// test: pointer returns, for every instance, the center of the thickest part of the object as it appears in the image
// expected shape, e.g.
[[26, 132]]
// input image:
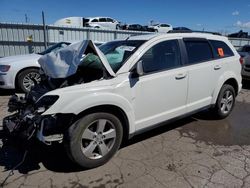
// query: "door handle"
[[217, 67], [180, 76]]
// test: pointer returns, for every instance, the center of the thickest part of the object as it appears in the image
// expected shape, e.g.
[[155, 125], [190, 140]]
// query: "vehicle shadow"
[[54, 158]]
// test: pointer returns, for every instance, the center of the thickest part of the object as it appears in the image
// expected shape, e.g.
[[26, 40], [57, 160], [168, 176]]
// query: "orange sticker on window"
[[221, 52]]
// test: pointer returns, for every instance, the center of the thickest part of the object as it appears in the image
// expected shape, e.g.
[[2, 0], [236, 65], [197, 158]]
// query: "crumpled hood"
[[64, 62], [19, 58]]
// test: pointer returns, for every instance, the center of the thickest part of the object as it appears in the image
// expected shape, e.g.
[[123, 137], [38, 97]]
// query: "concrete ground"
[[194, 152]]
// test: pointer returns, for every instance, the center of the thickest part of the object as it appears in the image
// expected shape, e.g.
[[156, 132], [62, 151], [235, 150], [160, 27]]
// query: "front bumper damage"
[[27, 122]]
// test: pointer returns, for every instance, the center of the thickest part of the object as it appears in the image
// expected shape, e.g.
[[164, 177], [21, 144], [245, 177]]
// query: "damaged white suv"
[[92, 98]]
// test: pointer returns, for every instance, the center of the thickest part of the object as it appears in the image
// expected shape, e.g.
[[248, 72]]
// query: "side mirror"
[[139, 68]]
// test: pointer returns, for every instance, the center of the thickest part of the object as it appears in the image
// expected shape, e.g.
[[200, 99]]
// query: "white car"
[[101, 22], [161, 28], [126, 87], [22, 71]]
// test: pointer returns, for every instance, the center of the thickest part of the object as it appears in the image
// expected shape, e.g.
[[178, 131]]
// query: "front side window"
[[162, 56], [198, 51], [94, 20]]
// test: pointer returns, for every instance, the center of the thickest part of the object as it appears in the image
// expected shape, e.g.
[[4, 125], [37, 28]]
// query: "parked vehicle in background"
[[245, 67], [244, 50], [22, 71], [181, 29], [136, 27], [239, 34], [95, 22], [101, 22], [70, 22], [161, 28], [106, 97]]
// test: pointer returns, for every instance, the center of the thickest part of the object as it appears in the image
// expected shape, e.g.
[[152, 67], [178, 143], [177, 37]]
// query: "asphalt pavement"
[[197, 151]]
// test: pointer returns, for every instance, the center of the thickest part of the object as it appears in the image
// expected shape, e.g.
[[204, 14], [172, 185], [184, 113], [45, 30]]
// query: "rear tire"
[[93, 140], [27, 79], [225, 102]]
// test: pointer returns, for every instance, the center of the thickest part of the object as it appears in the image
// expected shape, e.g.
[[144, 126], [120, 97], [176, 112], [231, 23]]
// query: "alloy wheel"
[[98, 139]]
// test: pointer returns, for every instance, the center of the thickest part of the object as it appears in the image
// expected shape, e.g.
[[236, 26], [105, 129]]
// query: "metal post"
[[44, 31], [88, 34]]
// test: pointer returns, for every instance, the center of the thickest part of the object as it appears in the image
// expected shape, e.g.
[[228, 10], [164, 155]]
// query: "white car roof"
[[91, 18], [177, 35]]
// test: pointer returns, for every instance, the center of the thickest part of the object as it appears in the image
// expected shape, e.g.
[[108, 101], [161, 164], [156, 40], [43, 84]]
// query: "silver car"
[[244, 52], [246, 67]]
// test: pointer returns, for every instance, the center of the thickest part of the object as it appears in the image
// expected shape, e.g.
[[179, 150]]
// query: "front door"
[[160, 94]]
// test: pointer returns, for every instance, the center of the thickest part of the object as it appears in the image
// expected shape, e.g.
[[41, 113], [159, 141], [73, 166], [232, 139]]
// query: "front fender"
[[77, 105]]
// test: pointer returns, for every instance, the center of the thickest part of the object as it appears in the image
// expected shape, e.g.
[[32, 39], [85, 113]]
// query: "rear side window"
[[198, 51], [221, 49], [165, 25], [102, 20], [110, 20]]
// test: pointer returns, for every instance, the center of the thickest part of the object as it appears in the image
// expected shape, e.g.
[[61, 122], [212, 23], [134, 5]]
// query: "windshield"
[[116, 52], [54, 47]]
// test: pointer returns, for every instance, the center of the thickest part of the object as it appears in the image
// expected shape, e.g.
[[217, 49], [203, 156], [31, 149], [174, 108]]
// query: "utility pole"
[[44, 31], [26, 18]]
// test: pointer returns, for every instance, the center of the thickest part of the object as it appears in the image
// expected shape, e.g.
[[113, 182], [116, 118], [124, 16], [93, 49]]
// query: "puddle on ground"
[[234, 130]]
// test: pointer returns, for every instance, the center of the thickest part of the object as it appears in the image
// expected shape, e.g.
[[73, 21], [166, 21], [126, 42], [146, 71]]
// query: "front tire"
[[27, 79], [93, 140], [225, 102]]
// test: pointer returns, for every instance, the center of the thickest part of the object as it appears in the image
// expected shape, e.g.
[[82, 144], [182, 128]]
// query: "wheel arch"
[[112, 109], [20, 71], [229, 80], [233, 83]]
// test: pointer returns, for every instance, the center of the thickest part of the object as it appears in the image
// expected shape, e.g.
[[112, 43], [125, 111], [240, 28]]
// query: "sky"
[[224, 16]]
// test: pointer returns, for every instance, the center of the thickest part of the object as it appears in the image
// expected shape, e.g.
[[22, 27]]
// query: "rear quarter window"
[[221, 49]]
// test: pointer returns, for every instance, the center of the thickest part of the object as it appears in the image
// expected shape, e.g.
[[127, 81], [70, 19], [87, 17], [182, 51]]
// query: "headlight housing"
[[45, 102], [4, 68]]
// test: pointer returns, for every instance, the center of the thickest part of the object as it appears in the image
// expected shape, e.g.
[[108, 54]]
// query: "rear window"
[[198, 51], [221, 49]]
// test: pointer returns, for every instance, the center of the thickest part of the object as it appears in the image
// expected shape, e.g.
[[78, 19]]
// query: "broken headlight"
[[45, 102]]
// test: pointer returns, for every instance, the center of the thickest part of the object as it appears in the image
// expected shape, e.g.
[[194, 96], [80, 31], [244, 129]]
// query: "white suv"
[[126, 87], [161, 28], [101, 22]]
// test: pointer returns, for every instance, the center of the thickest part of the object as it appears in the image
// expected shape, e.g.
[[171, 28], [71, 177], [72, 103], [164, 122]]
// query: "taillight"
[[241, 60]]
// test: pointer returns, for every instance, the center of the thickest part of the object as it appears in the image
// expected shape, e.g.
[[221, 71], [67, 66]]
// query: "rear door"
[[200, 66], [103, 22]]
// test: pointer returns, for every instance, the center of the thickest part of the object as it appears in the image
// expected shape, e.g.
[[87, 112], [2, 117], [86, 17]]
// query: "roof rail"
[[190, 31]]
